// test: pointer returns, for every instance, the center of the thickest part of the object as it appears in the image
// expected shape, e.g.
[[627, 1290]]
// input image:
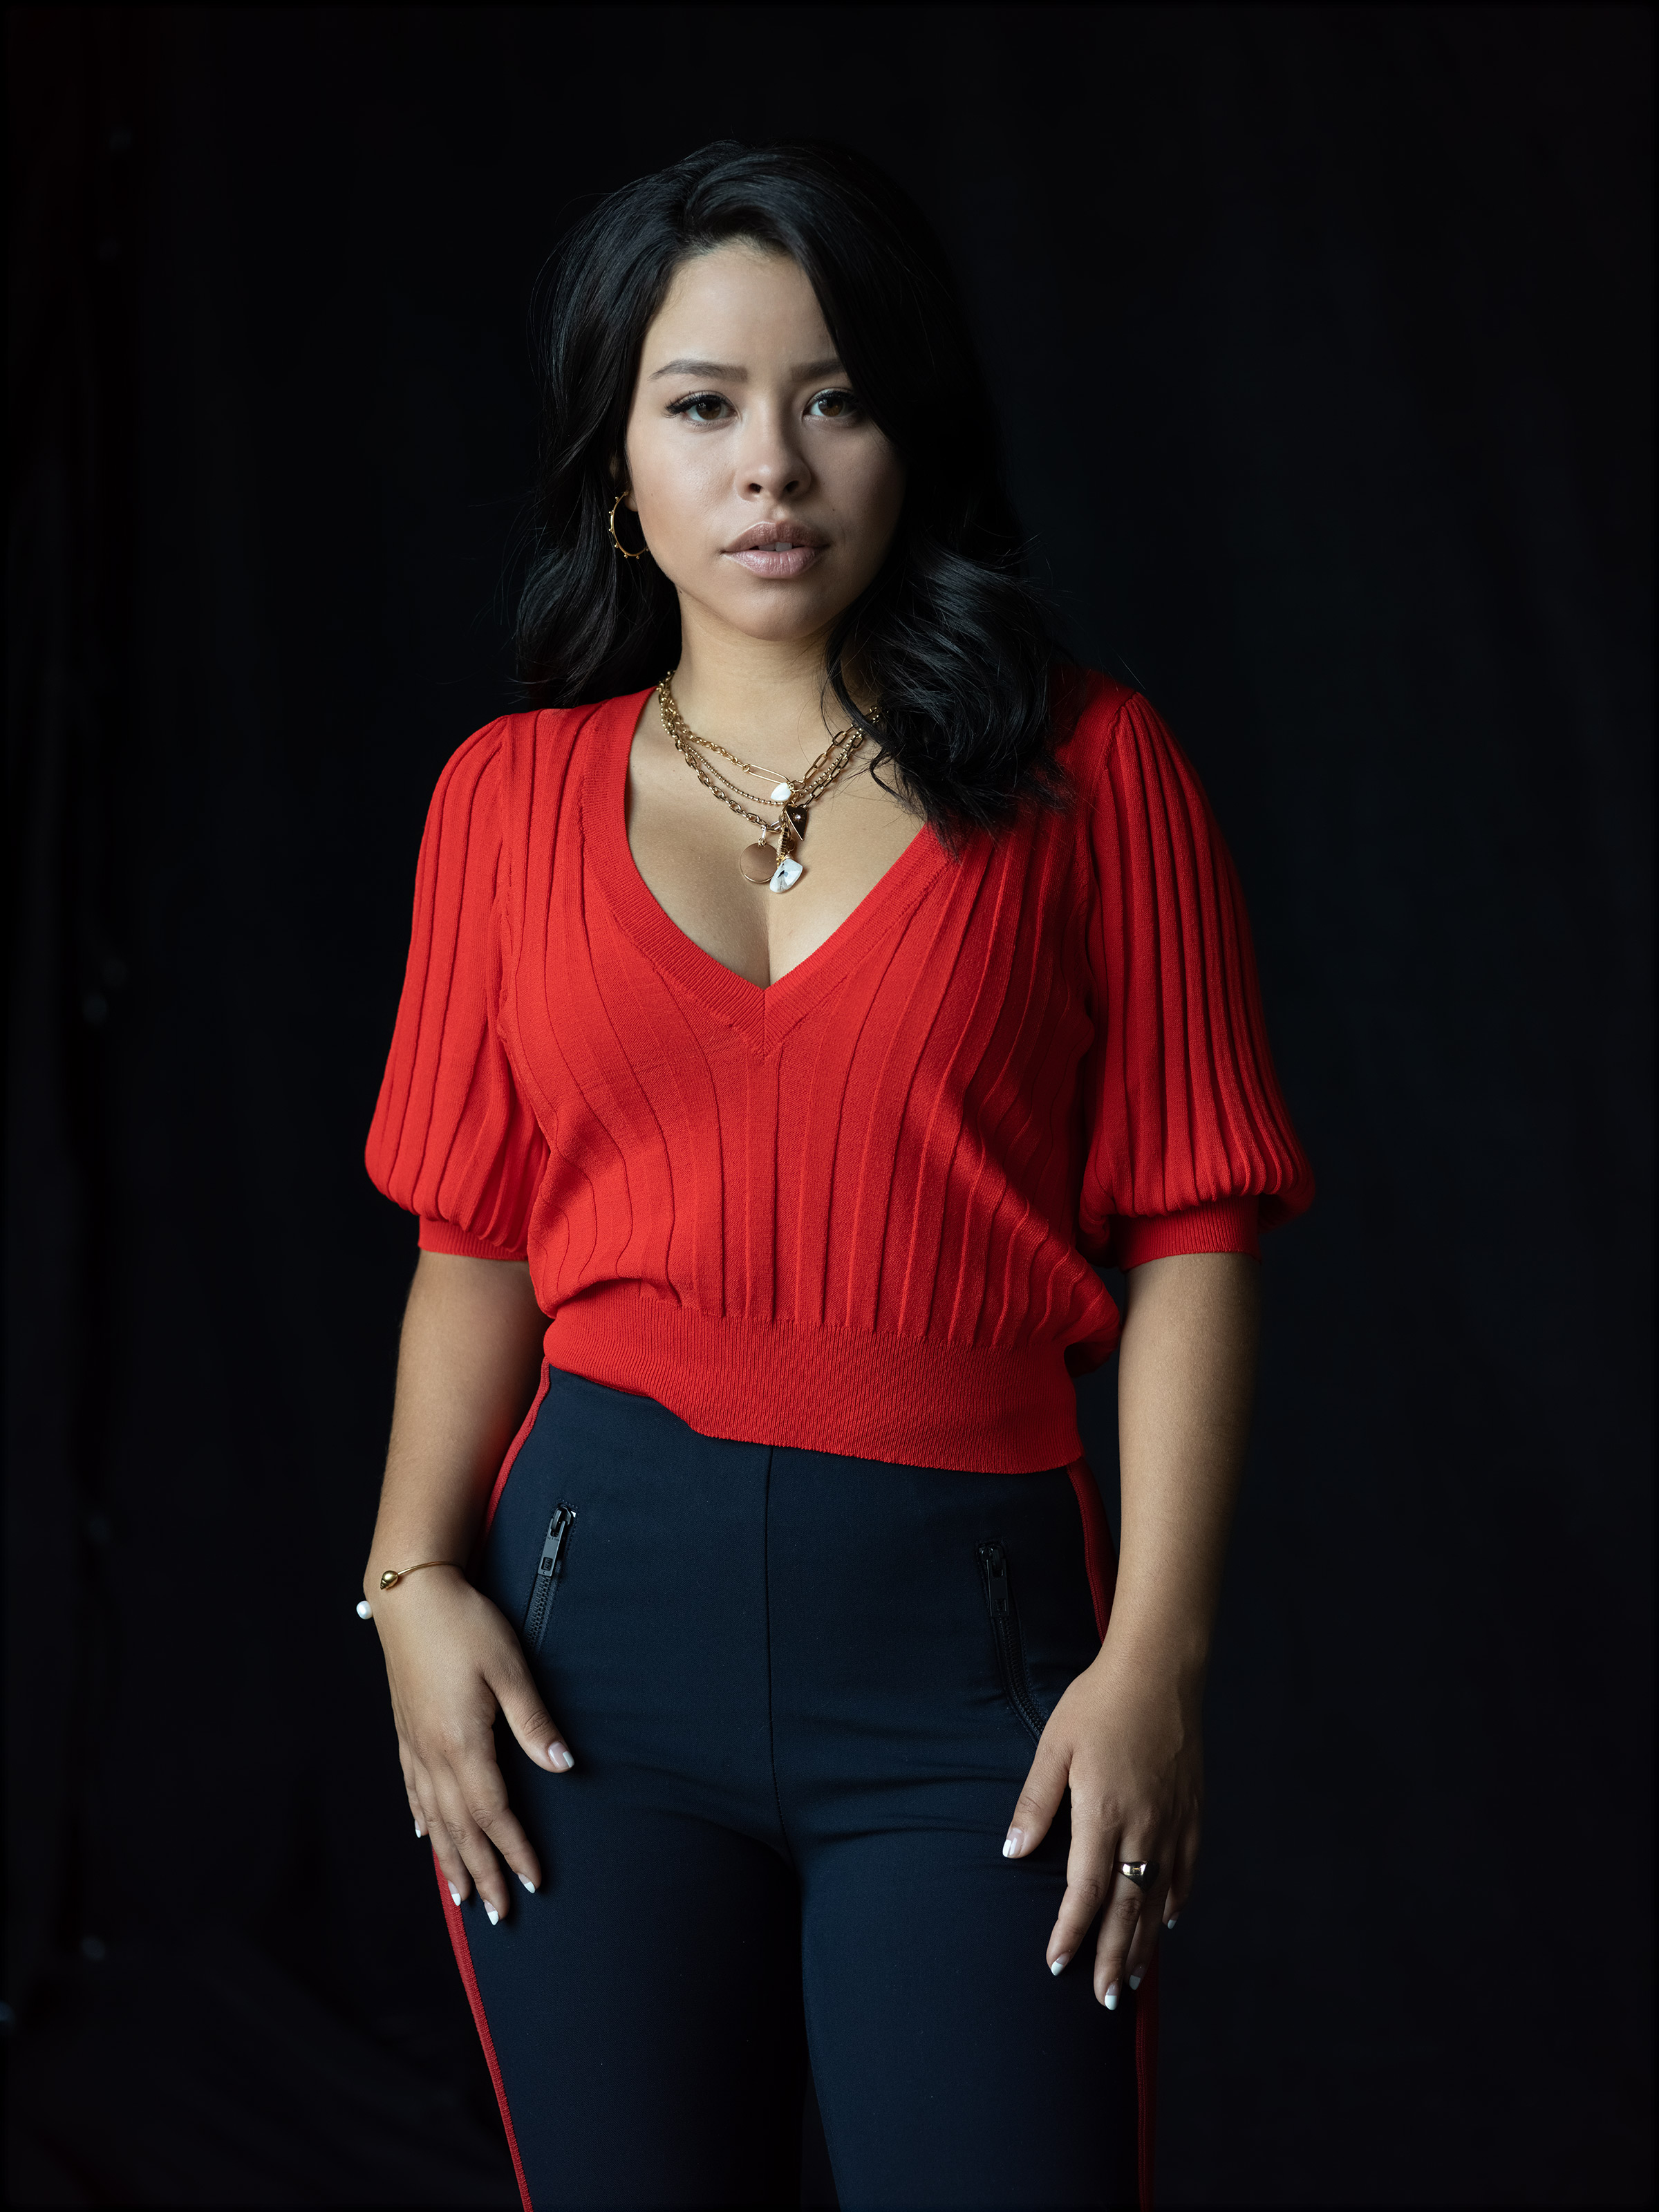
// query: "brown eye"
[[700, 407], [833, 407]]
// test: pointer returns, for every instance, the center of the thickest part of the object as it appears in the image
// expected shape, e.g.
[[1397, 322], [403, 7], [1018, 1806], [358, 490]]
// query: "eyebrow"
[[727, 373]]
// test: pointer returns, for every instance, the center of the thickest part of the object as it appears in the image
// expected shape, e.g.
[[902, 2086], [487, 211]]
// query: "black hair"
[[950, 636]]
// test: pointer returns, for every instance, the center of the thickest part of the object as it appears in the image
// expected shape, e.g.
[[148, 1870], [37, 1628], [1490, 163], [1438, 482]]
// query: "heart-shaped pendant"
[[786, 875]]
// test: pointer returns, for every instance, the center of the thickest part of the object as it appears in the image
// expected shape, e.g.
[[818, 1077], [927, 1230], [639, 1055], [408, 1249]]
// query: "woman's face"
[[766, 495]]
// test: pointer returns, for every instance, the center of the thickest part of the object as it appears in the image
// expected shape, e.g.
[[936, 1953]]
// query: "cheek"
[[872, 489], [677, 486]]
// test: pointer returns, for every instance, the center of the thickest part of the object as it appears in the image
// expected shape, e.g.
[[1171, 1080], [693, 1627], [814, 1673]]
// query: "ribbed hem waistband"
[[900, 1399]]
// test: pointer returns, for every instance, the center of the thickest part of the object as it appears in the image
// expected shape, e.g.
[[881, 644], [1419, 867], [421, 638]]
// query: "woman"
[[786, 1041]]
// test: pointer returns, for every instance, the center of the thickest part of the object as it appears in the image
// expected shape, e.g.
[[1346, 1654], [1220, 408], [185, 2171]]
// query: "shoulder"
[[1113, 727], [473, 771], [501, 767], [1119, 745]]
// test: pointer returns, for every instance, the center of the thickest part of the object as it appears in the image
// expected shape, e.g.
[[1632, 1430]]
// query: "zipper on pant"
[[1004, 1626], [547, 1574]]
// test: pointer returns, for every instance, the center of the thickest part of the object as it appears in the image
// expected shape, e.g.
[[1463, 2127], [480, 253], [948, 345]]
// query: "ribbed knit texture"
[[855, 1211]]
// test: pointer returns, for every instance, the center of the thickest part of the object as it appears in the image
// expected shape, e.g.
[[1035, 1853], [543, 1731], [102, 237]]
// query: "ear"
[[619, 483]]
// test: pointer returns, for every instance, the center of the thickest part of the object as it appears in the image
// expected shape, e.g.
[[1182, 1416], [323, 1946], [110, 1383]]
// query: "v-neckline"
[[764, 1011]]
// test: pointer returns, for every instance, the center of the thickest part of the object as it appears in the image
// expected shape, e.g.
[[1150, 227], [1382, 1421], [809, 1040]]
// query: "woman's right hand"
[[453, 1663]]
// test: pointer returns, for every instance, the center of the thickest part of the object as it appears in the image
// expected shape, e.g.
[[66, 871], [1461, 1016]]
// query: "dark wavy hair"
[[950, 636]]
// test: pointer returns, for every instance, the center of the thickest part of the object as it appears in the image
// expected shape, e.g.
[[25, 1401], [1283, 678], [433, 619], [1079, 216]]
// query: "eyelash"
[[715, 399]]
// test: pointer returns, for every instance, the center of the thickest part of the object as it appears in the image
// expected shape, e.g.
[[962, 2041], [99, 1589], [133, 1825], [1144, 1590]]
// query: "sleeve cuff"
[[443, 1237], [1227, 1224]]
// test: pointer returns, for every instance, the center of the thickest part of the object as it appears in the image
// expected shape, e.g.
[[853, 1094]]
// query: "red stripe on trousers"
[[457, 1926], [453, 1919], [1101, 1561]]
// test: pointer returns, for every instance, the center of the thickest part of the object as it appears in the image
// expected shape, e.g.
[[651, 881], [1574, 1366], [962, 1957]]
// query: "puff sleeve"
[[1189, 1145], [452, 1140]]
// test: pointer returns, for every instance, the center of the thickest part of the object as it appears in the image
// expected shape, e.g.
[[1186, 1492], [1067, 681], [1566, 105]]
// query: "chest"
[[645, 981], [685, 843]]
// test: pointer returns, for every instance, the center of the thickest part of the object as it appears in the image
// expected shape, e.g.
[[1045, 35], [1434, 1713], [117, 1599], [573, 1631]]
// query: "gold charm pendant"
[[758, 864]]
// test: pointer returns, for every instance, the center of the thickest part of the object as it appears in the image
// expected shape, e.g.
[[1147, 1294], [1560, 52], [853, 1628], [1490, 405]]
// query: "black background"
[[1322, 341]]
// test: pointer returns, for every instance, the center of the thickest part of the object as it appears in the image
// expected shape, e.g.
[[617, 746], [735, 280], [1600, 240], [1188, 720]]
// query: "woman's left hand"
[[1126, 1740]]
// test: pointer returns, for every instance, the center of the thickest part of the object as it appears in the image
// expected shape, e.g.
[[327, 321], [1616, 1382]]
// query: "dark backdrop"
[[1323, 341]]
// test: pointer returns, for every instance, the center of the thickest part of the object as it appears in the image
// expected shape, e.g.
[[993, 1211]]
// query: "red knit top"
[[857, 1210]]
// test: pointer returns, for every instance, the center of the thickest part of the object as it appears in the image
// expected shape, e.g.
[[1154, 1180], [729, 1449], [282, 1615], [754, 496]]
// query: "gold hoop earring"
[[615, 540]]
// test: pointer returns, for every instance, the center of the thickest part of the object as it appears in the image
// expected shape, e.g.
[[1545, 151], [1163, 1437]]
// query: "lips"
[[778, 549]]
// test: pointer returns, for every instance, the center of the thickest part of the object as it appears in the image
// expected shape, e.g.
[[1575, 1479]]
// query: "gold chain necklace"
[[757, 864]]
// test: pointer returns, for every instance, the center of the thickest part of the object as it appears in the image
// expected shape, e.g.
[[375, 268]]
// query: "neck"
[[766, 698]]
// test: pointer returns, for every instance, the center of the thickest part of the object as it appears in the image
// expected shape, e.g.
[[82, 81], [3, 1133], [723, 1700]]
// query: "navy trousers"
[[802, 1691]]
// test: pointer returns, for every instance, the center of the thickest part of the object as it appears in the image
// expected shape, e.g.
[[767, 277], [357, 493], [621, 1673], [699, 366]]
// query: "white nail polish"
[[528, 1884], [1135, 1981], [1170, 1921], [1012, 1843], [491, 1915], [419, 1830], [1111, 1998], [563, 1761], [1059, 1964], [454, 1892]]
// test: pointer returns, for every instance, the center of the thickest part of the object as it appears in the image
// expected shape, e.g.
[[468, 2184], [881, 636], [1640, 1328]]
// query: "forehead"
[[747, 291]]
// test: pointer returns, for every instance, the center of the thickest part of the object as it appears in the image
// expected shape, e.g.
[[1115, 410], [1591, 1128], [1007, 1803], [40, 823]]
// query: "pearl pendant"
[[786, 875], [783, 793]]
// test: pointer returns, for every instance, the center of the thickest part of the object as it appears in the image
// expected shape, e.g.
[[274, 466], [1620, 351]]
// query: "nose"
[[772, 465]]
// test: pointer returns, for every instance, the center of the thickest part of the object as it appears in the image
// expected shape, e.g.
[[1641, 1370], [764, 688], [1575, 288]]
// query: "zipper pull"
[[553, 1544], [996, 1578]]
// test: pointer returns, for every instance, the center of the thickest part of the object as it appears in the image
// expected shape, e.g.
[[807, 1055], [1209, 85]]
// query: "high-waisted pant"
[[802, 1692]]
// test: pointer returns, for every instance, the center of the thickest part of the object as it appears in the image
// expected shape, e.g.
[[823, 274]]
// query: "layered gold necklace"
[[793, 796]]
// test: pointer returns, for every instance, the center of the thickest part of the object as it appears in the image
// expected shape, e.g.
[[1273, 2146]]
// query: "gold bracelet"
[[393, 1576]]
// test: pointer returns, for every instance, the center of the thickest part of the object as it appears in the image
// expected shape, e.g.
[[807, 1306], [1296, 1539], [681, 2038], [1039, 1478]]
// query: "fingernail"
[[1111, 1998], [419, 1830], [1060, 1964], [1012, 1843], [490, 1914], [528, 1884], [454, 1892], [1135, 1981], [559, 1757], [1170, 1921]]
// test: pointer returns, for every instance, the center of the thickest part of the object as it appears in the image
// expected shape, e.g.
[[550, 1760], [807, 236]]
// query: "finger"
[[483, 1788], [539, 1735], [469, 1843], [1144, 1943], [481, 1823], [451, 1865], [1156, 1910], [504, 1832], [417, 1811], [1181, 1876], [1038, 1802], [1088, 1885], [1117, 1931]]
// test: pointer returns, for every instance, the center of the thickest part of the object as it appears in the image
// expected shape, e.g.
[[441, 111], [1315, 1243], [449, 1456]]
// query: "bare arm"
[[467, 1367], [1127, 1735]]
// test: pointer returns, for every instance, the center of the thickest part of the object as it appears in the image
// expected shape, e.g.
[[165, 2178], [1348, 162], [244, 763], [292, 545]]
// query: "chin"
[[779, 615]]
